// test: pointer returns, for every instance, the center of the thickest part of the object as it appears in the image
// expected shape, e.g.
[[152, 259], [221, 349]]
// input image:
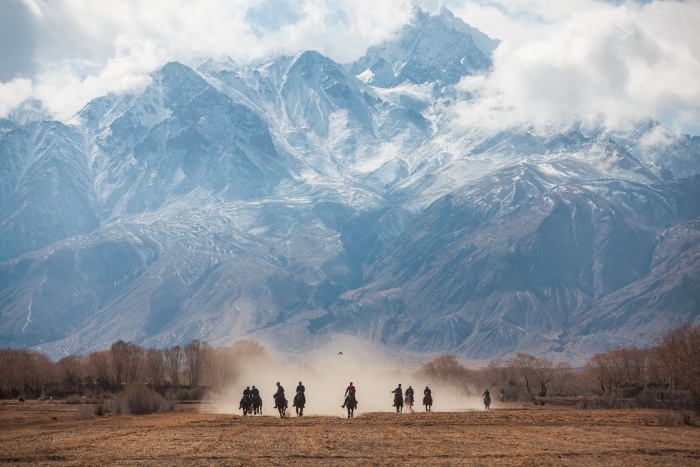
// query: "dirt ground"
[[50, 433]]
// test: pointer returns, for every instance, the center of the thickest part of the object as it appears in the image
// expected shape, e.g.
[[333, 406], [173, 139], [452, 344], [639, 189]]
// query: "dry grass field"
[[51, 433]]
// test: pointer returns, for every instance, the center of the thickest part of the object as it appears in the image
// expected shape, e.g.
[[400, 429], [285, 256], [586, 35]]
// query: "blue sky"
[[620, 59]]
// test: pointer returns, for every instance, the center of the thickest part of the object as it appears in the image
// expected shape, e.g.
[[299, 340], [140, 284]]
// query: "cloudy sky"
[[599, 61]]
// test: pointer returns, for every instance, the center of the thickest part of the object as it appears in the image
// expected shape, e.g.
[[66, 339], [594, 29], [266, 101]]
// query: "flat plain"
[[51, 433]]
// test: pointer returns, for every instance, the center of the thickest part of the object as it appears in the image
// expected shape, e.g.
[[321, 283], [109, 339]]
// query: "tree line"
[[668, 371], [670, 366], [29, 373]]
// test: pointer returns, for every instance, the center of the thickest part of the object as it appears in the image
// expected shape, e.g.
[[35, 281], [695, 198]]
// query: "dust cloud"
[[326, 373]]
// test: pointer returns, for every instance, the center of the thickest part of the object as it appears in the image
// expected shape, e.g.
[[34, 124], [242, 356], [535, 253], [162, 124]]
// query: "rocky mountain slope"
[[303, 199]]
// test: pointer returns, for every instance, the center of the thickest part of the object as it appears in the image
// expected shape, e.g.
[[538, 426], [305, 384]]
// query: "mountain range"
[[300, 200]]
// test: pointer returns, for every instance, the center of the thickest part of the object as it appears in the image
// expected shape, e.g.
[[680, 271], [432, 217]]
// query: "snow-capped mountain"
[[432, 49], [303, 198]]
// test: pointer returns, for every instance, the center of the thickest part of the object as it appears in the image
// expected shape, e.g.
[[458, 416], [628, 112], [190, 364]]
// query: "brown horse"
[[351, 405], [246, 405], [281, 406], [398, 402], [257, 405], [428, 402], [299, 403]]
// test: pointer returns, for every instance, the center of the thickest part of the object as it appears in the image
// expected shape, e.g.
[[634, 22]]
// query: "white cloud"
[[83, 48], [14, 92], [559, 60], [609, 65]]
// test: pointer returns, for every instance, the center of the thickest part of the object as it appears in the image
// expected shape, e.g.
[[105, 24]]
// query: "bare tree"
[[445, 369], [598, 366], [24, 371], [563, 378], [155, 367], [524, 364], [679, 352], [543, 372], [127, 359], [72, 370], [195, 355], [173, 357], [100, 363]]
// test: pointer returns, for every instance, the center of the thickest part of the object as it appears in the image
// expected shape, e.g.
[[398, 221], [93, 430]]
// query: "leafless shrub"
[[139, 399], [668, 399], [85, 412], [73, 399], [101, 409], [606, 402], [186, 394], [672, 418]]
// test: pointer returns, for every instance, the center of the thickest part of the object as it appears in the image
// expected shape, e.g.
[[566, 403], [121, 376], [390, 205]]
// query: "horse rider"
[[300, 392], [349, 393], [246, 392], [255, 392], [398, 395], [486, 395], [409, 394], [279, 395]]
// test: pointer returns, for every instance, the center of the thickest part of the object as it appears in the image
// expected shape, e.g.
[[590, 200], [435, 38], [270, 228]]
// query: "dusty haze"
[[326, 374]]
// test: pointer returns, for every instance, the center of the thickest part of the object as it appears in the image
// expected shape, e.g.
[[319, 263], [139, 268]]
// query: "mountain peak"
[[29, 110], [440, 49]]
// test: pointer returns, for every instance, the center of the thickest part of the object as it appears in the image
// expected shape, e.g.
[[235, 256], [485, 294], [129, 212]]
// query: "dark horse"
[[246, 405], [281, 405], [398, 402], [487, 402], [351, 405], [299, 403], [428, 402], [257, 405]]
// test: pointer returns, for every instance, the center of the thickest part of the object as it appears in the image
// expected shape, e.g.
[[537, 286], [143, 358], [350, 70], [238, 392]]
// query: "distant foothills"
[[304, 199]]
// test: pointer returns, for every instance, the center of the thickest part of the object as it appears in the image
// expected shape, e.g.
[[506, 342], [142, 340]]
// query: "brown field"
[[50, 433]]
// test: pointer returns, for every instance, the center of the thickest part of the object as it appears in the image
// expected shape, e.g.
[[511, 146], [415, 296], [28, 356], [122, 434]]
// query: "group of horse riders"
[[400, 397], [251, 398], [251, 402]]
